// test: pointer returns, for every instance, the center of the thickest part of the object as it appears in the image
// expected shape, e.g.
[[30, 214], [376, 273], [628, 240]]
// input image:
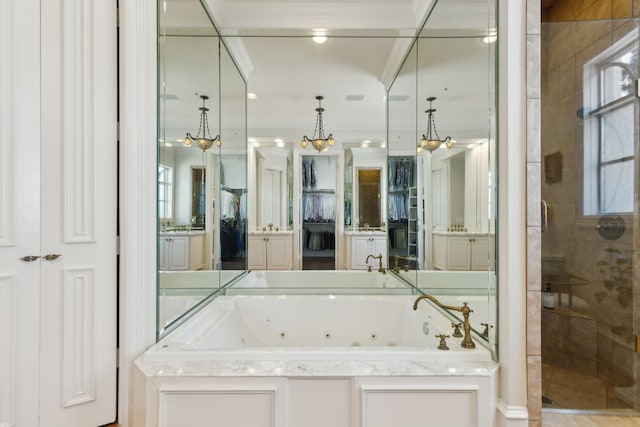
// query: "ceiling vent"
[[355, 98]]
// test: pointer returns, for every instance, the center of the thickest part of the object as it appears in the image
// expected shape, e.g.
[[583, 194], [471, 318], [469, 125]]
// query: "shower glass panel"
[[590, 241]]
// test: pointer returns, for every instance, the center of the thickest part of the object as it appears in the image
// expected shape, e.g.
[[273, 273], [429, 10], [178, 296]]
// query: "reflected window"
[[165, 192], [610, 129]]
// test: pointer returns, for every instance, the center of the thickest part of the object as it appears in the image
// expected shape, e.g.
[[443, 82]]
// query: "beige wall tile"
[[562, 11], [621, 9], [533, 130], [534, 257], [533, 66], [534, 307], [533, 16], [599, 10], [584, 6], [533, 195], [534, 387]]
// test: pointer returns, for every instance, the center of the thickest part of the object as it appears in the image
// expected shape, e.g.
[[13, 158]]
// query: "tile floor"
[[564, 420], [574, 390], [569, 389]]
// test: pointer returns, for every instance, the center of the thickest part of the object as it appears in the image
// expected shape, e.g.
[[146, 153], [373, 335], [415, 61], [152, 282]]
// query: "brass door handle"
[[29, 258], [51, 257]]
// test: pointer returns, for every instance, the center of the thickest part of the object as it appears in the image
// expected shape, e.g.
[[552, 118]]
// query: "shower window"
[[610, 120], [165, 192]]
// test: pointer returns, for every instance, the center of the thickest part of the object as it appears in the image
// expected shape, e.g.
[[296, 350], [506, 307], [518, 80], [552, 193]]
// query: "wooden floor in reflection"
[[318, 263]]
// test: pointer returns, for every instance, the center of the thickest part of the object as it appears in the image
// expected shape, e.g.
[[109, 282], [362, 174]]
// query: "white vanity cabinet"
[[361, 244], [182, 250], [462, 251], [270, 250]]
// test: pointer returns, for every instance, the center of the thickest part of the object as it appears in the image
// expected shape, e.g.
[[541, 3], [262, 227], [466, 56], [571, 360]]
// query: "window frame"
[[593, 117], [167, 184]]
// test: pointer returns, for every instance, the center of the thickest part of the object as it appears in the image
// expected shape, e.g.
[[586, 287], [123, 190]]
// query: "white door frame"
[[138, 200]]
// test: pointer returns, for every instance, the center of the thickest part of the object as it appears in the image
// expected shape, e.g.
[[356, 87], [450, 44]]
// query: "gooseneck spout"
[[379, 258], [467, 342]]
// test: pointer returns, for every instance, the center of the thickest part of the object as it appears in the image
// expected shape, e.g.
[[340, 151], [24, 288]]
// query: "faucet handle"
[[456, 331], [485, 333], [443, 342]]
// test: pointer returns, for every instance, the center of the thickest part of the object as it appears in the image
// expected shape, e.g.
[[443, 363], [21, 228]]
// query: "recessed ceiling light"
[[252, 96], [279, 144], [366, 141], [319, 39], [489, 39], [319, 35]]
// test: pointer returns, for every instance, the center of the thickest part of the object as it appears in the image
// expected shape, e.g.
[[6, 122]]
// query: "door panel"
[[19, 211], [78, 215]]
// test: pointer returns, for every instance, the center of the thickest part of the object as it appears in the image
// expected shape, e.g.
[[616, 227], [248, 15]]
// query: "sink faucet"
[[467, 342], [396, 267], [380, 268]]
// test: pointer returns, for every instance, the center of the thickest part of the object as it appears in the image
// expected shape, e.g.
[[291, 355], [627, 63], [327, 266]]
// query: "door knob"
[[51, 257], [29, 258]]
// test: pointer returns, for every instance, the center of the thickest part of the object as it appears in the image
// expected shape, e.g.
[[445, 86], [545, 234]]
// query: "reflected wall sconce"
[[431, 141], [203, 141], [320, 143]]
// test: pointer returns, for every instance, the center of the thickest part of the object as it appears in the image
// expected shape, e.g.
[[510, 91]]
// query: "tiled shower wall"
[[549, 11]]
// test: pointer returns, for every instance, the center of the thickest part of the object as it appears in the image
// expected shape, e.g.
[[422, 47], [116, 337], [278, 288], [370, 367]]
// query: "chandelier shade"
[[431, 140], [205, 141], [319, 142]]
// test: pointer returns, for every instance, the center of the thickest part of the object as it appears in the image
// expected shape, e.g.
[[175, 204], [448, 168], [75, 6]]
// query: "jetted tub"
[[338, 360], [329, 327]]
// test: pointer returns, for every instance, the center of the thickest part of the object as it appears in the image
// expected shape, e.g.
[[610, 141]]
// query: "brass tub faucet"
[[379, 258], [467, 342], [396, 267]]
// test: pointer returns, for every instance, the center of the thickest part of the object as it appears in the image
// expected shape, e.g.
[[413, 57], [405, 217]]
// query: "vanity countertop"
[[371, 231], [260, 232], [182, 233], [461, 233]]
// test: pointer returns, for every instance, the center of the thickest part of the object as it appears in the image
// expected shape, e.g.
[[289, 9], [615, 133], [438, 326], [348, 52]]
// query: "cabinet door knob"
[[29, 258], [51, 257]]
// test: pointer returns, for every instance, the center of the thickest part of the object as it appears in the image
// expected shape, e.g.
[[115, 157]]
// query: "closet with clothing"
[[401, 206], [318, 212]]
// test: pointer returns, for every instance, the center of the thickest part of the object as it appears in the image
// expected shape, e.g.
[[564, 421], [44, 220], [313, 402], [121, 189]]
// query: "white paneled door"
[[58, 205]]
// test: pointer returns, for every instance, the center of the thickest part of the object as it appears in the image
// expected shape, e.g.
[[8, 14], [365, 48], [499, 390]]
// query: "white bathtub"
[[324, 281], [283, 360], [301, 327]]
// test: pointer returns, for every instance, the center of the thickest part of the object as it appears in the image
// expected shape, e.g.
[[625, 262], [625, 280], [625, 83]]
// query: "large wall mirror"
[[442, 169], [201, 161], [372, 199]]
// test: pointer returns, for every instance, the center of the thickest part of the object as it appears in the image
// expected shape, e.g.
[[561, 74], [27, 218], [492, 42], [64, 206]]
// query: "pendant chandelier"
[[203, 141], [431, 141], [320, 143]]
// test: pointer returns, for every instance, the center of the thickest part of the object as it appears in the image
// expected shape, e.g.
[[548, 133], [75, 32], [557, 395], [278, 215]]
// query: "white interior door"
[[57, 197], [78, 214], [19, 211]]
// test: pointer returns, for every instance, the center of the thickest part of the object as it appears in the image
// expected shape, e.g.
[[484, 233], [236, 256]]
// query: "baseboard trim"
[[511, 416]]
